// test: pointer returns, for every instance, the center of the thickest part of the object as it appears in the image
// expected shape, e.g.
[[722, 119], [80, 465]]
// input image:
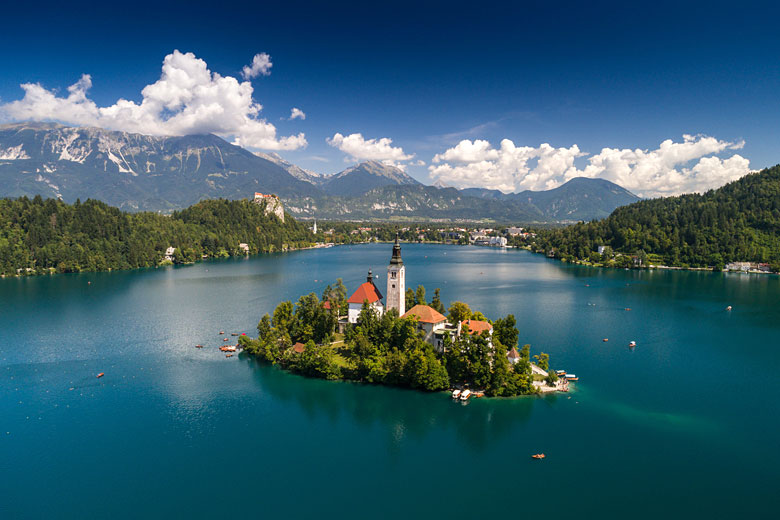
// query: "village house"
[[244, 247], [430, 322], [513, 355], [477, 327], [169, 254]]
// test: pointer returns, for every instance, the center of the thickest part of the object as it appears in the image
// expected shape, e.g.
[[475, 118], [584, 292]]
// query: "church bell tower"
[[396, 281]]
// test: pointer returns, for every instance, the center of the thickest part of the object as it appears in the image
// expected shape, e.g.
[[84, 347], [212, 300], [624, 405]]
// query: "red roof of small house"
[[366, 291], [326, 304], [477, 326], [299, 347], [513, 354], [425, 314]]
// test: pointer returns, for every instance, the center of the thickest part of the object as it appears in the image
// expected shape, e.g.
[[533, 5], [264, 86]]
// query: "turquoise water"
[[685, 425]]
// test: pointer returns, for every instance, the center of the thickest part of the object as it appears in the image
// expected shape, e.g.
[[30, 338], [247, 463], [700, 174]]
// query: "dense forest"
[[739, 222], [38, 235], [391, 350]]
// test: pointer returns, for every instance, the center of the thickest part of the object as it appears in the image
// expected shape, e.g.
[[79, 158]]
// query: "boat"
[[101, 375], [198, 346], [224, 339], [560, 373], [628, 308], [228, 355], [632, 343], [234, 333], [606, 339], [455, 393], [571, 377], [538, 456], [222, 332], [728, 308], [464, 395]]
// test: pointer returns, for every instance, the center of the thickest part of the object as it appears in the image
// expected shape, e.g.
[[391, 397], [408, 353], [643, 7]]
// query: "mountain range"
[[139, 172]]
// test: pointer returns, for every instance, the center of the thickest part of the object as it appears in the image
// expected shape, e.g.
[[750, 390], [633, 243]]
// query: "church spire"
[[396, 259]]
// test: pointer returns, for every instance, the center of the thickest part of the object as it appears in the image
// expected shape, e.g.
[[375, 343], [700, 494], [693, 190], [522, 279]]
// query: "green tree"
[[419, 295], [458, 312], [436, 302], [410, 298], [505, 331]]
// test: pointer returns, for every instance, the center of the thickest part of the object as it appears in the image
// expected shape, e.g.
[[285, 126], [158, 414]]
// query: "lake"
[[684, 425]]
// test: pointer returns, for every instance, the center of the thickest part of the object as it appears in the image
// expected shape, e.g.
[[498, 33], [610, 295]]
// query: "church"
[[368, 291], [432, 324]]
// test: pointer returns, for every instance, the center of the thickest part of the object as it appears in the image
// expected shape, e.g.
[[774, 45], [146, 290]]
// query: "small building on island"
[[429, 322], [367, 292]]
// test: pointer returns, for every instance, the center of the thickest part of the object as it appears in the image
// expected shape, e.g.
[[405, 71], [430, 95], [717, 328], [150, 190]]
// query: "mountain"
[[296, 171], [410, 202], [140, 172], [365, 177], [134, 171], [578, 199], [739, 222]]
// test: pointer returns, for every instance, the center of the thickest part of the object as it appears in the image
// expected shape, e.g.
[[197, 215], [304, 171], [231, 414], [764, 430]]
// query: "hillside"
[[580, 198], [577, 199], [38, 235], [133, 171], [738, 222], [137, 172]]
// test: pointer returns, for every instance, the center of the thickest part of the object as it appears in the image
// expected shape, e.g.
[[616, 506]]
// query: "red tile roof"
[[367, 291], [477, 326], [425, 314], [326, 304], [299, 347]]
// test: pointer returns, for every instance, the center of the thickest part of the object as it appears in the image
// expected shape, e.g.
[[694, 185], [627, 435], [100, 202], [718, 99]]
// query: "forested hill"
[[38, 235], [738, 222]]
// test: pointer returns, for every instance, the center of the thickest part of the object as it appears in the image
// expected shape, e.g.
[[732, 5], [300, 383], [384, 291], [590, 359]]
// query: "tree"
[[283, 316], [410, 298], [505, 331], [436, 302], [543, 361], [458, 312], [419, 295], [264, 327]]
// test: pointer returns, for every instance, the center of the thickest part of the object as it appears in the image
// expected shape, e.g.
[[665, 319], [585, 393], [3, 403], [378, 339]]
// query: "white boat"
[[572, 377], [455, 394], [632, 344], [464, 396]]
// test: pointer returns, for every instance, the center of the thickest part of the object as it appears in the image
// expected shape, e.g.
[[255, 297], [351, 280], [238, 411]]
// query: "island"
[[360, 339]]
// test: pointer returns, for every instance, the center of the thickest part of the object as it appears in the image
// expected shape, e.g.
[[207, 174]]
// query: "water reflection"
[[401, 413]]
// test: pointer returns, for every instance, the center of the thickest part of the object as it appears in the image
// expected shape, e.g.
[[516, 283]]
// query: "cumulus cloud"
[[359, 148], [671, 169], [261, 64], [187, 99], [297, 113]]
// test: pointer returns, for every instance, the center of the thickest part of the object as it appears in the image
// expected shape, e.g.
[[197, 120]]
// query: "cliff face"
[[272, 206]]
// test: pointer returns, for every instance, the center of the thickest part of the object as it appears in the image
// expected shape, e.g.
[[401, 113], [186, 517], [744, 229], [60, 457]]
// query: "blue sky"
[[592, 75]]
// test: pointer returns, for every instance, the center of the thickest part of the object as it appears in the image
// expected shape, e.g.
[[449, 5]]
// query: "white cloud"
[[671, 169], [297, 113], [187, 99], [261, 64], [360, 148]]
